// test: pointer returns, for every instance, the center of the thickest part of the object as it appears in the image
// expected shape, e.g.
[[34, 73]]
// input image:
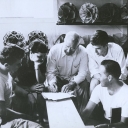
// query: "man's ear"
[[110, 78], [6, 65]]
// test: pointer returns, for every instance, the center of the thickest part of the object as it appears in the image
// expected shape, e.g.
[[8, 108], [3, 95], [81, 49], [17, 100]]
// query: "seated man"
[[30, 78], [100, 49], [112, 93], [10, 61], [67, 68]]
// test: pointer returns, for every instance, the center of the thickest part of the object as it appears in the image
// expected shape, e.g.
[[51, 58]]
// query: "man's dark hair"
[[10, 54], [99, 38], [38, 46], [112, 68]]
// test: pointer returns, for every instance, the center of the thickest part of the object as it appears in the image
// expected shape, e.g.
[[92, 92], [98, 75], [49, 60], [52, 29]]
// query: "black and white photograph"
[[63, 63]]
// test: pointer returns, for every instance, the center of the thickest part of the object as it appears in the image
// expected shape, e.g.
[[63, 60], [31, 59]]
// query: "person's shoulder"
[[125, 87], [90, 50], [89, 46], [56, 47], [114, 46], [98, 88], [98, 91], [82, 48], [124, 93]]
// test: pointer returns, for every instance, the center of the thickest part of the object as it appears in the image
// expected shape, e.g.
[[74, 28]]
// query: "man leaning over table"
[[67, 69]]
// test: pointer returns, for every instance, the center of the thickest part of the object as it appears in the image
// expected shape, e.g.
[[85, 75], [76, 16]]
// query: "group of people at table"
[[94, 74]]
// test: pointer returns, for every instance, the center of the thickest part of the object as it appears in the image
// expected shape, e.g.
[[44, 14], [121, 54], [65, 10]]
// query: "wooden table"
[[63, 114]]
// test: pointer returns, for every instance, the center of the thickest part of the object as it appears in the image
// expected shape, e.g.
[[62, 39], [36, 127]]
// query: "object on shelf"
[[124, 13], [37, 35], [109, 13], [67, 13], [14, 37], [96, 23], [88, 13]]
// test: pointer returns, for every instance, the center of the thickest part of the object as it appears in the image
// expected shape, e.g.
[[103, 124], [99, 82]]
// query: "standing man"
[[112, 93], [67, 69], [101, 49]]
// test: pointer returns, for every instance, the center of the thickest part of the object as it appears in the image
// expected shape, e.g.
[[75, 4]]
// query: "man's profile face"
[[103, 76], [70, 46], [100, 50]]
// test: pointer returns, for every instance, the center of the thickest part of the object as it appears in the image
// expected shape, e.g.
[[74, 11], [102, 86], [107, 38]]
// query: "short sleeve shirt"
[[119, 99]]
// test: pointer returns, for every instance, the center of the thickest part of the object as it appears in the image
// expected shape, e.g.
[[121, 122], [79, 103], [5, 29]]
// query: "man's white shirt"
[[119, 99]]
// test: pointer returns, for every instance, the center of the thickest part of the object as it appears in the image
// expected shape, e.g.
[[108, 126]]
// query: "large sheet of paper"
[[57, 96]]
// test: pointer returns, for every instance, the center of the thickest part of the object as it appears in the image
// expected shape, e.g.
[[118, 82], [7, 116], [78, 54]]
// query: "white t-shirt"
[[5, 89], [119, 99]]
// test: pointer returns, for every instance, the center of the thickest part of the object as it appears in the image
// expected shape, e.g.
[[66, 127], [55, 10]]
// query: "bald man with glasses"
[[67, 69]]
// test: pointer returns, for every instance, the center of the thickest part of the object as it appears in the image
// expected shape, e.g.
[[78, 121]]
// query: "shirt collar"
[[109, 51]]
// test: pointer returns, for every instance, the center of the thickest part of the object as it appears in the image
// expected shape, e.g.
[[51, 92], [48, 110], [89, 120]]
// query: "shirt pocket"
[[76, 66]]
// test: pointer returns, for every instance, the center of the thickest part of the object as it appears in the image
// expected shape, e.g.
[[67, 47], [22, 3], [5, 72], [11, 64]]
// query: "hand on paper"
[[38, 88], [68, 87]]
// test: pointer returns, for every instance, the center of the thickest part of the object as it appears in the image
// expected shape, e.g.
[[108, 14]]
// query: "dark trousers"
[[39, 110], [81, 92]]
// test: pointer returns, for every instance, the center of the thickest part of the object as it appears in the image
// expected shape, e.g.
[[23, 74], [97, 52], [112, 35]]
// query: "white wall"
[[48, 26]]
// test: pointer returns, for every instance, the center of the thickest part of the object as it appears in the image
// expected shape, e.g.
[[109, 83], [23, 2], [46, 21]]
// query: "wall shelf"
[[96, 23], [98, 3]]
